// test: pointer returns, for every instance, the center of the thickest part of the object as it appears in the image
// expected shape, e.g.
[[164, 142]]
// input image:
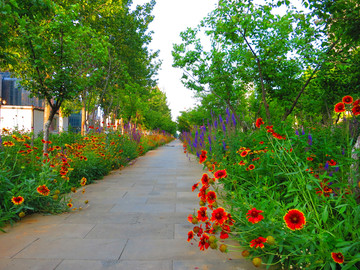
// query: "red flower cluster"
[[203, 156], [341, 106], [219, 221], [274, 134], [259, 122]]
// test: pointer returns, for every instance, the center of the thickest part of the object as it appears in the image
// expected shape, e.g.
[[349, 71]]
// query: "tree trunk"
[[263, 92], [47, 128]]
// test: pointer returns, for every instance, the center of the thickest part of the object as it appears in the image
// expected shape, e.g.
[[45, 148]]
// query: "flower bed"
[[31, 181], [291, 196]]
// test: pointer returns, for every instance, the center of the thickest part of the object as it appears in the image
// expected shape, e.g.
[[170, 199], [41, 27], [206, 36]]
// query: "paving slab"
[[136, 218], [33, 264], [115, 265], [86, 249]]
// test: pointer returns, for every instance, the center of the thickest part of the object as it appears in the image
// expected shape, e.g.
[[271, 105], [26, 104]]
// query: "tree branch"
[[288, 112]]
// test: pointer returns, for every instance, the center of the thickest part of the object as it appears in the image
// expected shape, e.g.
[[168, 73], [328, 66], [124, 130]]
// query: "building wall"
[[38, 121], [27, 119], [15, 118]]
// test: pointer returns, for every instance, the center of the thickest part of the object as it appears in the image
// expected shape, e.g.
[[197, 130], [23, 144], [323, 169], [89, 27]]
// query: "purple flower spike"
[[326, 167], [233, 119], [309, 139], [297, 132], [220, 118], [224, 127], [224, 145], [343, 152], [337, 169], [303, 132]]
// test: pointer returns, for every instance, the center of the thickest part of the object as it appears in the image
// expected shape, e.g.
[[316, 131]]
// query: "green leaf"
[[325, 214]]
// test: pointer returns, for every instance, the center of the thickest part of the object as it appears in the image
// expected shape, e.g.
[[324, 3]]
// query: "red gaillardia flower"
[[331, 162], [241, 163], [356, 110], [211, 197], [258, 242], [356, 102], [337, 257], [220, 174], [190, 235], [309, 158], [340, 107], [251, 167], [203, 156], [8, 143], [43, 190], [224, 235], [69, 205], [202, 193], [219, 215], [194, 186], [244, 153], [347, 99], [202, 215], [17, 200], [294, 219], [254, 216], [83, 181], [204, 242], [205, 180], [259, 122]]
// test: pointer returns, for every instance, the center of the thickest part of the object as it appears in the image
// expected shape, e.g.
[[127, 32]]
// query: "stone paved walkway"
[[136, 219]]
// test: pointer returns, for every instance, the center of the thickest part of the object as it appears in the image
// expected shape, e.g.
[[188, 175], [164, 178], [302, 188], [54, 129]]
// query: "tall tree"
[[48, 48]]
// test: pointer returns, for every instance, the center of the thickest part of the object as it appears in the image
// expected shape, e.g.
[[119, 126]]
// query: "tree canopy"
[[273, 59]]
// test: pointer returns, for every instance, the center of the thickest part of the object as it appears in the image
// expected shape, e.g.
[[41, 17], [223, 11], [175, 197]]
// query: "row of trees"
[[85, 54], [274, 60]]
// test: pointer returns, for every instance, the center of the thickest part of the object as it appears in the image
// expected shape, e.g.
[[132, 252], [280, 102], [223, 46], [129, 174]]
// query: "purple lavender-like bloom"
[[224, 127], [227, 119], [209, 139], [210, 149], [326, 167], [221, 120], [233, 119], [343, 151], [309, 139], [330, 174], [337, 169], [228, 112], [303, 131], [297, 132], [224, 145], [215, 124]]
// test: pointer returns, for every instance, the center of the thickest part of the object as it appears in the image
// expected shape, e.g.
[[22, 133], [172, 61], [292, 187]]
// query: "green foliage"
[[278, 168]]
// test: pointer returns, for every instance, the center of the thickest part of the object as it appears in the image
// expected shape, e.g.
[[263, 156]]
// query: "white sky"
[[172, 17]]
